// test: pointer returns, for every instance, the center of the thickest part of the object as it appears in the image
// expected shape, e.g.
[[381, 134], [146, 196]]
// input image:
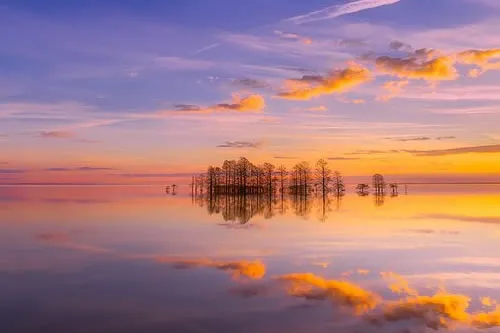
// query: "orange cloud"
[[438, 311], [393, 88], [480, 58], [251, 269], [399, 284], [250, 103], [441, 68], [310, 286], [311, 86]]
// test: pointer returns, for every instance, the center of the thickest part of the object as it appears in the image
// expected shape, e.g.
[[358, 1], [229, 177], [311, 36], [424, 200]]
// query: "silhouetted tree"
[[338, 184], [269, 175], [379, 183], [394, 189], [323, 176], [362, 189]]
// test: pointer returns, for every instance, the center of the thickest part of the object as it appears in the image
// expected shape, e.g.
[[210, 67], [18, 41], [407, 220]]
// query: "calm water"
[[134, 259]]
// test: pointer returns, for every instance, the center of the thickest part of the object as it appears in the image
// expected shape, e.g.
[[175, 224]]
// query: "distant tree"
[[306, 177], [378, 183], [338, 183], [394, 189], [269, 175], [282, 175], [362, 189], [323, 176]]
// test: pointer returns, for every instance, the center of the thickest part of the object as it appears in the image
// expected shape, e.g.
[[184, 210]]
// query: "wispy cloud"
[[421, 138], [82, 168], [57, 135], [178, 63], [251, 83], [465, 110], [340, 158], [240, 144], [286, 157], [339, 10], [317, 108], [464, 218], [154, 175], [250, 103], [11, 171], [293, 36], [488, 149]]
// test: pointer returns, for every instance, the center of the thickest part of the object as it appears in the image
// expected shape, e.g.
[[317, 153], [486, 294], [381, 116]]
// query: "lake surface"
[[135, 259]]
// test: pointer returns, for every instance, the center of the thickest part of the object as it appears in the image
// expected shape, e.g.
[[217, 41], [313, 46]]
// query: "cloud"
[[480, 58], [11, 171], [488, 149], [393, 88], [338, 81], [254, 270], [82, 168], [352, 43], [339, 10], [206, 48], [57, 135], [466, 110], [419, 138], [179, 64], [340, 158], [317, 108], [400, 46], [293, 36], [463, 218], [252, 83], [441, 68], [53, 237], [154, 175], [63, 240], [286, 157], [344, 293], [240, 144], [250, 103], [398, 284]]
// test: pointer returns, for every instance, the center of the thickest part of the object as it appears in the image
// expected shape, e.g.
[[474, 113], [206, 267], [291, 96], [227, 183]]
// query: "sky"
[[135, 92]]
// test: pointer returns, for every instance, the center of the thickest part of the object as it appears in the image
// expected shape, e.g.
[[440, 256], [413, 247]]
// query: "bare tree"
[[269, 175], [338, 184], [282, 174], [323, 176], [378, 183], [362, 189]]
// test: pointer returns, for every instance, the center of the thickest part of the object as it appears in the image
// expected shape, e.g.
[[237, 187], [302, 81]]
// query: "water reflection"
[[140, 260], [242, 208]]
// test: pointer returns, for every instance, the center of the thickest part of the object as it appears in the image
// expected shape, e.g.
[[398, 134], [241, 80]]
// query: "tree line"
[[242, 177]]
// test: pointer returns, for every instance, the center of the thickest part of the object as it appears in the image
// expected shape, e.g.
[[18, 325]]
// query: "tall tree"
[[269, 176], [338, 183], [282, 174], [378, 183], [323, 176]]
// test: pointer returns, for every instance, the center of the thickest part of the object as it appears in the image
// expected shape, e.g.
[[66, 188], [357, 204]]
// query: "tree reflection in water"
[[238, 210]]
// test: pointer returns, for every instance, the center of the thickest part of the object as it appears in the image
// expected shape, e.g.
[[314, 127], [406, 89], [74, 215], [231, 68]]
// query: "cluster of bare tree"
[[379, 187], [243, 177]]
